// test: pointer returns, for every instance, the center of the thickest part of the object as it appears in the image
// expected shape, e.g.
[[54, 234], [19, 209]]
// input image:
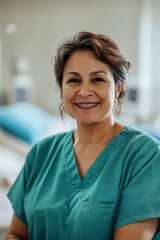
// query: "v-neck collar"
[[94, 170]]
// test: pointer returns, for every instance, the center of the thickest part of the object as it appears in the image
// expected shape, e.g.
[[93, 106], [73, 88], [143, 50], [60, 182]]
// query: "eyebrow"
[[97, 72], [91, 74], [72, 72]]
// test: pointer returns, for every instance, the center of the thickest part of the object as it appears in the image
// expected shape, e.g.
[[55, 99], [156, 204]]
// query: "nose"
[[85, 91]]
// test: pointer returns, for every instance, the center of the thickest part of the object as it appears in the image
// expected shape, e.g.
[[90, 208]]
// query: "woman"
[[101, 180]]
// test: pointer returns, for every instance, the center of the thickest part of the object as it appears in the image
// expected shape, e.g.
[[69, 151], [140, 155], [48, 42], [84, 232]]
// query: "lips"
[[86, 106]]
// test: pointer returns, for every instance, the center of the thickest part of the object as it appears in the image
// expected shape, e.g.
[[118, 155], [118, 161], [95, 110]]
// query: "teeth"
[[87, 104]]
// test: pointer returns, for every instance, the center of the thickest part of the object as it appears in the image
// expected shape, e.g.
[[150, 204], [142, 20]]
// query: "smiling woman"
[[100, 180], [104, 50]]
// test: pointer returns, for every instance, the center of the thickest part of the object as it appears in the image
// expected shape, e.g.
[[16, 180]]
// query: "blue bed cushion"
[[25, 120]]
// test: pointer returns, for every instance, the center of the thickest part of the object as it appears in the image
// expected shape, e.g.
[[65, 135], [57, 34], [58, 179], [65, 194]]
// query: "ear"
[[119, 87]]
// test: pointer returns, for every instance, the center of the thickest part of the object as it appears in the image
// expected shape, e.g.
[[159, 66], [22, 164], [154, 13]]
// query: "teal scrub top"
[[122, 186]]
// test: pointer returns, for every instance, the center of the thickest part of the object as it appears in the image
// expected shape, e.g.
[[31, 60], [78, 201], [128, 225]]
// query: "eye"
[[73, 81], [98, 80]]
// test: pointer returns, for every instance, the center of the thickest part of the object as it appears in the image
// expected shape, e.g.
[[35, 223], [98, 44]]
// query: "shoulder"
[[141, 150], [49, 144], [139, 145], [49, 151], [140, 139]]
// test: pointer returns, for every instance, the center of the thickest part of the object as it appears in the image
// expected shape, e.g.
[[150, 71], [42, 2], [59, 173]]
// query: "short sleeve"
[[18, 191], [140, 199]]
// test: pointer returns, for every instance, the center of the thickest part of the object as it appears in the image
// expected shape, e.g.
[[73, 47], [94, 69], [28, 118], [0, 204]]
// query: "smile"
[[86, 106]]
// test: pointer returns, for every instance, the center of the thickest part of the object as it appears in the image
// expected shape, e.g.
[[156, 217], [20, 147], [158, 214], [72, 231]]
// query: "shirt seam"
[[137, 219]]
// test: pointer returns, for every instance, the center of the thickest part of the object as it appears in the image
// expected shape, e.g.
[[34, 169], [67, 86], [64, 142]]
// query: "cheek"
[[112, 92], [66, 97], [64, 92], [112, 97], [108, 94], [109, 97]]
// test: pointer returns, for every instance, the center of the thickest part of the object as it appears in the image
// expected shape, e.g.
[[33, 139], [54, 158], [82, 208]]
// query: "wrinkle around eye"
[[73, 81], [100, 80]]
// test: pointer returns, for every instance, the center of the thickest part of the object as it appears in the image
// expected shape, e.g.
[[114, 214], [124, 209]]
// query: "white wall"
[[155, 60], [148, 61]]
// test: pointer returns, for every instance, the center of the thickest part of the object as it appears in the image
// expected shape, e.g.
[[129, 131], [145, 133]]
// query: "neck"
[[96, 133]]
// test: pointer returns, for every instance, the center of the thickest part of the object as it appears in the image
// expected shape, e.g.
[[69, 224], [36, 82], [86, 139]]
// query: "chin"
[[90, 119], [87, 122]]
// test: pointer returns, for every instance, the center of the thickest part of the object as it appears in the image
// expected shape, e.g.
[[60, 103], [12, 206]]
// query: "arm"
[[18, 230], [143, 230]]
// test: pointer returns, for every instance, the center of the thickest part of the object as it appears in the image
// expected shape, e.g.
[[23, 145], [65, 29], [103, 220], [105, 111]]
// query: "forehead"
[[84, 59]]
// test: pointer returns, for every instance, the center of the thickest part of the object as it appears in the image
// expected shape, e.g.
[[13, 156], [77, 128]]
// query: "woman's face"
[[88, 88]]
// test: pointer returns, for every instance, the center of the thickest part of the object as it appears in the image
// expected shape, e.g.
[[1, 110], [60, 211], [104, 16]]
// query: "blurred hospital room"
[[30, 32]]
